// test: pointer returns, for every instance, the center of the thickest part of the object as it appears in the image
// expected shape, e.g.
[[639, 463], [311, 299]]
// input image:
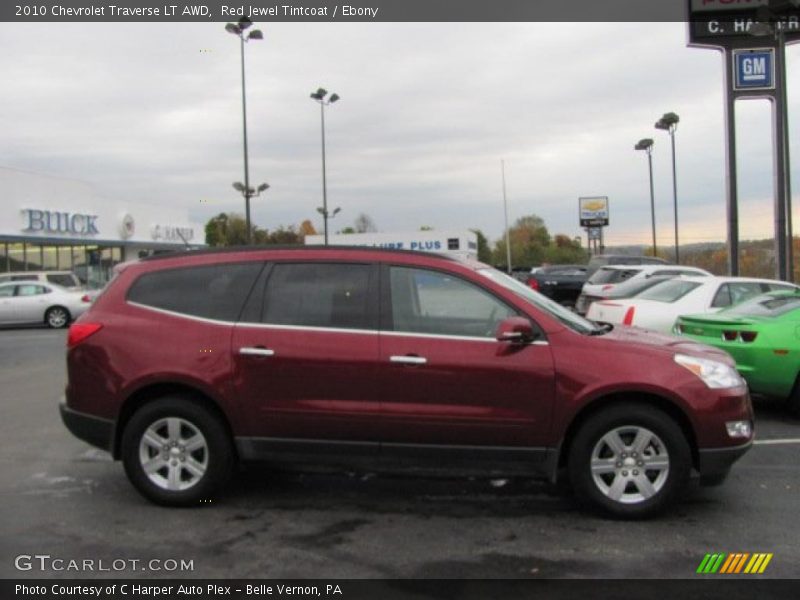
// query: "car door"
[[446, 384], [30, 302], [305, 352]]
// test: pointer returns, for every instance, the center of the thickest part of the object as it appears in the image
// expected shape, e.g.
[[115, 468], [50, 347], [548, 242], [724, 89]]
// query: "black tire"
[[793, 401], [636, 499], [187, 488], [57, 317]]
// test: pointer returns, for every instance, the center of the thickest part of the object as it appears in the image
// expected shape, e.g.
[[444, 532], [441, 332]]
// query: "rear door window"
[[329, 295], [213, 292]]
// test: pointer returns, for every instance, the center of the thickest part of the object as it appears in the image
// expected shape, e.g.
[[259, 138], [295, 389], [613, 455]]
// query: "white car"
[[658, 307], [605, 279], [23, 302]]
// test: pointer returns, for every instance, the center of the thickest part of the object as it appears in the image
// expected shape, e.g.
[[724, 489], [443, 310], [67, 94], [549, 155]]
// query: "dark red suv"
[[388, 360]]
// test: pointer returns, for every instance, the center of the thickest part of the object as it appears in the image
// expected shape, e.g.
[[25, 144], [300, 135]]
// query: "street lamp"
[[238, 29], [647, 145], [326, 216], [669, 123], [320, 97], [249, 192]]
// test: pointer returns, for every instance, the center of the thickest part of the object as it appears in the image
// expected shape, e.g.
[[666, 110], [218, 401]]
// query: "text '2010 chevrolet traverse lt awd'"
[[389, 360]]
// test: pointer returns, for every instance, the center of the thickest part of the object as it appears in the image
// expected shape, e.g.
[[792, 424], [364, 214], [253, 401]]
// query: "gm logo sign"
[[754, 69]]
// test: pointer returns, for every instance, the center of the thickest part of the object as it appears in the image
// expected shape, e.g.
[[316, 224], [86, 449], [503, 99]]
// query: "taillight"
[[628, 319], [78, 332], [730, 336], [85, 298], [533, 283], [748, 336], [607, 287]]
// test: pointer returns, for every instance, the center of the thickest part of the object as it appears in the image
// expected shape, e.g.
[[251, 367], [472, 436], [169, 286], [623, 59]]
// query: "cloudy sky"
[[152, 113]]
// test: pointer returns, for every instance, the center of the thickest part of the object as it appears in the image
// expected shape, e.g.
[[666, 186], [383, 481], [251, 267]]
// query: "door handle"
[[408, 360], [256, 351]]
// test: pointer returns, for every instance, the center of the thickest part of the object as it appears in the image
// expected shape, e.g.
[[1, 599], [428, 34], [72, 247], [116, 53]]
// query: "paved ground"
[[62, 498]]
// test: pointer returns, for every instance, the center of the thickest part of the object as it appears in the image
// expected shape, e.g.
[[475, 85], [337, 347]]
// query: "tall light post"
[[238, 29], [321, 96], [647, 145], [669, 123], [248, 193]]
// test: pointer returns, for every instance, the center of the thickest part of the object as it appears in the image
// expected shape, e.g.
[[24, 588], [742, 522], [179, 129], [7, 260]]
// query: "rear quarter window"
[[213, 292]]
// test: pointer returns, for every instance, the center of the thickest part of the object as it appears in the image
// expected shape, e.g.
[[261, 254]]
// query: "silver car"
[[24, 302]]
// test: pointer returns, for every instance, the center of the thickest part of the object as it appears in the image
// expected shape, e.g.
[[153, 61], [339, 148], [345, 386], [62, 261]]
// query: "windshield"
[[671, 290], [564, 315], [606, 275], [766, 306]]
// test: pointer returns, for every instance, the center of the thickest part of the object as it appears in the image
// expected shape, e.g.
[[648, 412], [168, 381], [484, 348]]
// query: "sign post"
[[752, 35]]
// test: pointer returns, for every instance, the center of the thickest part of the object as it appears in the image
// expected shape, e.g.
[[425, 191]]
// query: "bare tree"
[[364, 224]]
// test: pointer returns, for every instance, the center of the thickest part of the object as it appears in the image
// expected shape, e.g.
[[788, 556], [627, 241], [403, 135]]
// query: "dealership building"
[[460, 243], [53, 223]]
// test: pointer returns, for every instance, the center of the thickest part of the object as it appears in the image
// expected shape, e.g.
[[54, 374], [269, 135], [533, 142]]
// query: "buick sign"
[[48, 221]]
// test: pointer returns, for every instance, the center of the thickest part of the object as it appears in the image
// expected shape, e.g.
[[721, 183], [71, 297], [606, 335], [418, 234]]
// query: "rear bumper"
[[93, 430], [717, 461]]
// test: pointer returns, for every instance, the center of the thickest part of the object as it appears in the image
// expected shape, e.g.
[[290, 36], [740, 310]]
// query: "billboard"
[[593, 211]]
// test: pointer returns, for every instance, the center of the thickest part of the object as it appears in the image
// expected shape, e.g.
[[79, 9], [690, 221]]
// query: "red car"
[[390, 360]]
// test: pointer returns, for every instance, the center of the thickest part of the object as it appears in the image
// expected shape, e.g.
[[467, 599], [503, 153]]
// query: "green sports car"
[[763, 336]]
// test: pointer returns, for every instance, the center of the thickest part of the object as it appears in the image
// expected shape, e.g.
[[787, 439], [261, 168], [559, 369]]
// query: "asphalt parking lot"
[[64, 499]]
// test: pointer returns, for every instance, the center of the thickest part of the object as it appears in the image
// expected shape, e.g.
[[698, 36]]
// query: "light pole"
[[647, 145], [238, 29], [669, 123], [248, 193], [320, 97]]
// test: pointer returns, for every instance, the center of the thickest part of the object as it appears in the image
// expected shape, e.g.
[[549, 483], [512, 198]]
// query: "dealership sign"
[[48, 221], [593, 211], [754, 69]]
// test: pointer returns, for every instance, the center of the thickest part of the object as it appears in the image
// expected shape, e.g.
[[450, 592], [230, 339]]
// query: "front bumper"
[[93, 430], [713, 462]]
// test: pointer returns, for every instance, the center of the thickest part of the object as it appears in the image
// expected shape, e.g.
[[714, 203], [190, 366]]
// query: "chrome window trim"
[[324, 329]]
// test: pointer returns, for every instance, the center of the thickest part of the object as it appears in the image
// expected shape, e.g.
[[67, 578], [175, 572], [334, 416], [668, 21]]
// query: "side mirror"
[[516, 330]]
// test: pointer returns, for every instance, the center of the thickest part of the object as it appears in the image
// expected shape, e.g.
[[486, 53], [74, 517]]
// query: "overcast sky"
[[152, 113]]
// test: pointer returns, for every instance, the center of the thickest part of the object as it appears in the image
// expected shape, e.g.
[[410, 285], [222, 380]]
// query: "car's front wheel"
[[176, 452], [630, 460]]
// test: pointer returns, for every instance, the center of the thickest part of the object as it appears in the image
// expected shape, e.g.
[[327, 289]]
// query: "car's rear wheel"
[[57, 317], [629, 460], [176, 452]]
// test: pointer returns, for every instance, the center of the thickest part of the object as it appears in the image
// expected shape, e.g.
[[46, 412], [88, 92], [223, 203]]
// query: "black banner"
[[709, 587]]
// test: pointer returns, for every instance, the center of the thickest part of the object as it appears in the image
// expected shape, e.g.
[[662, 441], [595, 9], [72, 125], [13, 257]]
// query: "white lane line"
[[776, 442]]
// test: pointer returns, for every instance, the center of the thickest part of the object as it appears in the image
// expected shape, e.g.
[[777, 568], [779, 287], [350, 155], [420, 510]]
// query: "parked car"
[[66, 279], [394, 361], [561, 283], [626, 289], [602, 260], [604, 281], [762, 336], [26, 302], [659, 307]]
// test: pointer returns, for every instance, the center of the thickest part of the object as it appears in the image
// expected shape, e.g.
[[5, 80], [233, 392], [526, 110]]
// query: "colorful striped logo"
[[737, 562]]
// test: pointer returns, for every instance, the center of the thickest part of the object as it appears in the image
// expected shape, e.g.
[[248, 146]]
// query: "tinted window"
[[438, 303], [671, 290], [6, 291], [319, 295], [612, 275], [67, 280], [213, 292]]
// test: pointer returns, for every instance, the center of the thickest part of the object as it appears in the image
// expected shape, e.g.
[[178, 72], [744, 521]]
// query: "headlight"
[[714, 374]]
